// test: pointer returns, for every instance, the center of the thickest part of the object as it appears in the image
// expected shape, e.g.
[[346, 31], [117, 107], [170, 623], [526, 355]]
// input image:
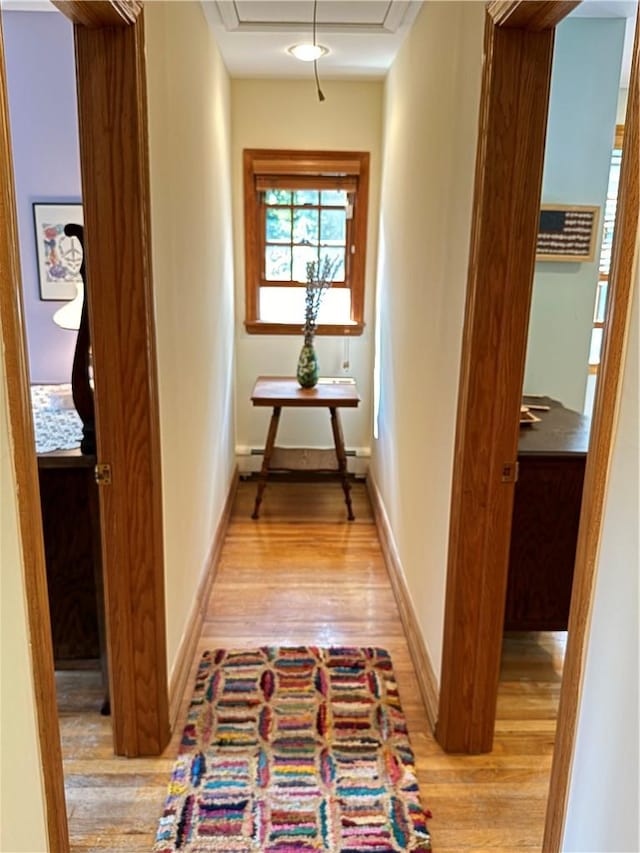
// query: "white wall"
[[582, 116], [287, 114], [189, 125], [22, 808], [431, 116], [602, 812], [621, 111]]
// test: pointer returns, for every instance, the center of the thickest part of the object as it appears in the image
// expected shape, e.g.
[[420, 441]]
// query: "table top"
[[66, 459], [560, 432], [285, 391]]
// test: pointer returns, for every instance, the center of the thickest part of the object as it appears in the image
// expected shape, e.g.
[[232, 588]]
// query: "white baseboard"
[[425, 673], [193, 628]]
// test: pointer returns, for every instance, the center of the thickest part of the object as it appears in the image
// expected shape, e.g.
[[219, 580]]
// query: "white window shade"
[[286, 305]]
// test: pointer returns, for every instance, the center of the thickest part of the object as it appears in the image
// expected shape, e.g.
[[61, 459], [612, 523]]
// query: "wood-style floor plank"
[[303, 574]]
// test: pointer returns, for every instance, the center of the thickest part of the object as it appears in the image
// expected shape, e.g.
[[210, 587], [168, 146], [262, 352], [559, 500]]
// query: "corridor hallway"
[[302, 574]]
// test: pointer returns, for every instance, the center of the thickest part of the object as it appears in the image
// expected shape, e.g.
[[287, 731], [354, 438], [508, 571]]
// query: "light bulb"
[[307, 52]]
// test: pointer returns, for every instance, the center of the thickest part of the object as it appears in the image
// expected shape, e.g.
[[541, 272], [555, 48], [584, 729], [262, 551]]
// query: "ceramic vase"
[[307, 373]]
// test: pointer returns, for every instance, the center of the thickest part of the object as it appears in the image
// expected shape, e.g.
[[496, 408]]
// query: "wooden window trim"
[[350, 166], [257, 327]]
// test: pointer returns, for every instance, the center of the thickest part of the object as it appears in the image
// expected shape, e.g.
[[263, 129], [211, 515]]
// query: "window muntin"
[[302, 226], [300, 207]]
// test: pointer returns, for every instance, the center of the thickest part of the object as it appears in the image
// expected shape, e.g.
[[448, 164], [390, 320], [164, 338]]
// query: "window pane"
[[336, 306], [278, 225], [333, 226], [282, 305], [333, 197], [596, 346], [277, 197], [305, 197], [610, 211], [305, 226], [336, 257], [301, 257], [601, 302], [286, 305], [278, 263]]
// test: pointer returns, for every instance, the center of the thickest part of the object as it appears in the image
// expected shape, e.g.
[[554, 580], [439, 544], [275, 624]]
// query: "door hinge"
[[102, 474], [510, 471]]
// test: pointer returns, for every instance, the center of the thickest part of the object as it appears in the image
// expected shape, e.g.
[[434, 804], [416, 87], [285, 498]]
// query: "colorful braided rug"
[[294, 749]]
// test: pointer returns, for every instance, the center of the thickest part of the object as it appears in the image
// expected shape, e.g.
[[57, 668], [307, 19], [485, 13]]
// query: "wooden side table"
[[280, 391]]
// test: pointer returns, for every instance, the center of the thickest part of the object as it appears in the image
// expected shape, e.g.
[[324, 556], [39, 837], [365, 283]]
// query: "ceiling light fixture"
[[308, 52]]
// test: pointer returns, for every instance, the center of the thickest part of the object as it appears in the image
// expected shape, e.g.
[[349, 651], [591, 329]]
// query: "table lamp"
[[69, 316]]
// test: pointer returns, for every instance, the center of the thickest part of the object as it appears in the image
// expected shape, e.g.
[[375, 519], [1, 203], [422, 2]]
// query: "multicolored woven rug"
[[294, 749]]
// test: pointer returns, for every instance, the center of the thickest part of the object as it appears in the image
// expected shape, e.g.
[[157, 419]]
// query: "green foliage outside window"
[[302, 227]]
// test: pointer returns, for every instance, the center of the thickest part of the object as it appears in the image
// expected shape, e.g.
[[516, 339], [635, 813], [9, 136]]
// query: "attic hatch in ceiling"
[[363, 35], [363, 16]]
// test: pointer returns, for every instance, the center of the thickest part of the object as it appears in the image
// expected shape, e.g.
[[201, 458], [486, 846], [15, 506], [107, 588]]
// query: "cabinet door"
[[544, 532], [67, 496]]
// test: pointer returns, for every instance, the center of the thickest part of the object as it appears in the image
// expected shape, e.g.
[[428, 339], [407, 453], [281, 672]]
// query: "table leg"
[[338, 440], [264, 471]]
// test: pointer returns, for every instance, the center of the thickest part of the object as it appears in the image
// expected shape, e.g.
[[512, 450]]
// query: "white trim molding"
[[284, 17]]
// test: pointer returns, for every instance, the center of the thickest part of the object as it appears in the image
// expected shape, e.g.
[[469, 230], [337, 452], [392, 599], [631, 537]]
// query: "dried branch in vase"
[[320, 276]]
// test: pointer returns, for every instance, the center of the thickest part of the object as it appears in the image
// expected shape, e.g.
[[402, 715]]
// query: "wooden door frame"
[[513, 101], [114, 158], [605, 409], [28, 490], [512, 127]]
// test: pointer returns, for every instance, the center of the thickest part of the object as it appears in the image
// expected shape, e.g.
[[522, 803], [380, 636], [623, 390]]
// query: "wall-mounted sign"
[[567, 232]]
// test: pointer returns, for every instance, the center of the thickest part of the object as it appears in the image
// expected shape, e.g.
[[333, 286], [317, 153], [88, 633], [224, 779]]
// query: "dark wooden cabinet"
[[71, 528], [546, 514]]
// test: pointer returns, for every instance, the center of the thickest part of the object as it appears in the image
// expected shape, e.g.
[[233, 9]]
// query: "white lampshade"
[[68, 317]]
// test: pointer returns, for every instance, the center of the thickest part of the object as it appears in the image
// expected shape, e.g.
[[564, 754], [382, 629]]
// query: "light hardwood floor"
[[286, 579]]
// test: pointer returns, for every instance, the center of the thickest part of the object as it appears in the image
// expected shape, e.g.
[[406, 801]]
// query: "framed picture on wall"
[[567, 232], [59, 257]]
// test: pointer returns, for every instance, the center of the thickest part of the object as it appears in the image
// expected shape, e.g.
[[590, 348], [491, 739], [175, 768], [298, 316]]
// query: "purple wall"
[[44, 131]]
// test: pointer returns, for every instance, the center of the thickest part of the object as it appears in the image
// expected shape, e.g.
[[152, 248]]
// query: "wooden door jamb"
[[607, 398], [464, 629], [512, 125], [137, 624], [28, 495]]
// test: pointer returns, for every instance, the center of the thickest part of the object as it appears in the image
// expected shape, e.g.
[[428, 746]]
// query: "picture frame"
[[567, 233], [59, 257]]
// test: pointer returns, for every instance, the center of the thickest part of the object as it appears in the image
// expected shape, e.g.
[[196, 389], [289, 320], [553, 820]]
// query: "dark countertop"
[[66, 459], [561, 432]]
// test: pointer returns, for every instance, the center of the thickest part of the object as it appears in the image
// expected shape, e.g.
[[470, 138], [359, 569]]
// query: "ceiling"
[[363, 36]]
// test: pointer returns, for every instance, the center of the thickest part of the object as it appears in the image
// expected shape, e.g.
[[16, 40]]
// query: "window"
[[599, 312], [303, 206]]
